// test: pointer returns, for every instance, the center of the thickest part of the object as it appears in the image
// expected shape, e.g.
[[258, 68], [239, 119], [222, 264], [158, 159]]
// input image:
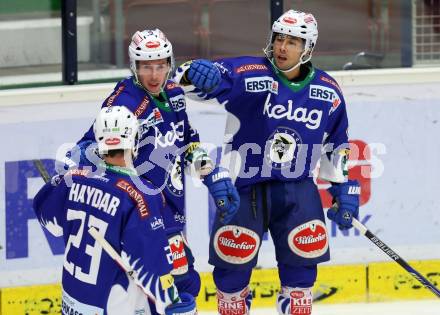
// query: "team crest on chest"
[[282, 147], [175, 178]]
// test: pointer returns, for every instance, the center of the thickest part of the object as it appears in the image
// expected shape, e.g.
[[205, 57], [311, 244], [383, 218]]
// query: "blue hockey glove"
[[345, 203], [186, 306], [225, 194], [203, 74]]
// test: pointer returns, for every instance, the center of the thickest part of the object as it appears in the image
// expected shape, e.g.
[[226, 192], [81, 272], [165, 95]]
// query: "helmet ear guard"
[[296, 24]]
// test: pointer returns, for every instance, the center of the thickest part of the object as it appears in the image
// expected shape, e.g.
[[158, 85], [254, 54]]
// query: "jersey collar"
[[128, 171], [295, 86]]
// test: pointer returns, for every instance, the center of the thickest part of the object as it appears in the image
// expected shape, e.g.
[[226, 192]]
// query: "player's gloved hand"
[[345, 203], [225, 194], [186, 306], [203, 74]]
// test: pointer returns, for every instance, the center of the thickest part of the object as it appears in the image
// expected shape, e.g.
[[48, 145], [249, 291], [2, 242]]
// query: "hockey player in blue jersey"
[[285, 117], [131, 221], [168, 144]]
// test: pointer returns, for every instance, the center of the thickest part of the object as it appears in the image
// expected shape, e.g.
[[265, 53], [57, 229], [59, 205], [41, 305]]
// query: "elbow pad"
[[333, 167]]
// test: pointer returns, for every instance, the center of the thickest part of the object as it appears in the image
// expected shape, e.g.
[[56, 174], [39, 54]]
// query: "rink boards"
[[375, 282]]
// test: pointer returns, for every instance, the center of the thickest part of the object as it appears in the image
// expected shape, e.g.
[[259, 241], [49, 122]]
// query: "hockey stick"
[[116, 257], [42, 170], [387, 250], [111, 251]]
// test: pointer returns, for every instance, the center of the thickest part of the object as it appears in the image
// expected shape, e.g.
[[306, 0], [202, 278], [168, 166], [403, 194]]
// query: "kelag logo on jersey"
[[310, 117], [171, 136], [261, 84], [178, 102], [323, 93]]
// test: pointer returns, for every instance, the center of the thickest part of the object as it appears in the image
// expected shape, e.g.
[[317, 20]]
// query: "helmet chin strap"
[[269, 56]]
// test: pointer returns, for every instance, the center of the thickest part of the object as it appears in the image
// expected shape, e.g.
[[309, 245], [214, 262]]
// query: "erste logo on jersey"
[[309, 240], [323, 93], [153, 119], [178, 102], [261, 84], [176, 133], [311, 118], [282, 147], [236, 244]]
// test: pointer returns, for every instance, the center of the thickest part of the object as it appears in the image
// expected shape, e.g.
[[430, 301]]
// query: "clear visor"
[[153, 68]]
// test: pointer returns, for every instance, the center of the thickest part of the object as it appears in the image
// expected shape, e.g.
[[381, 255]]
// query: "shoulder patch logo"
[[142, 107], [77, 172], [171, 86], [136, 196], [251, 67], [330, 81], [115, 94]]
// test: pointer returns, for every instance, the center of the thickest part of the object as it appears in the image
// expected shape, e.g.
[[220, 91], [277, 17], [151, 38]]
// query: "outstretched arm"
[[200, 73]]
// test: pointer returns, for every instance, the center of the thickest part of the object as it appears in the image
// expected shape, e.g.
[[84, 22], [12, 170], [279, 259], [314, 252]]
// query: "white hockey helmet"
[[116, 128], [150, 45], [297, 24]]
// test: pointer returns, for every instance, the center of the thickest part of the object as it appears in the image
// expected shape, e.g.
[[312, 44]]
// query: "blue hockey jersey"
[[166, 138], [130, 221], [277, 129]]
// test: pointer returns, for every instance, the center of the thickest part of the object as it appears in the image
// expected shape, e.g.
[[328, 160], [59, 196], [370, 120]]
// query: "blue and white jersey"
[[93, 283], [276, 128], [166, 139]]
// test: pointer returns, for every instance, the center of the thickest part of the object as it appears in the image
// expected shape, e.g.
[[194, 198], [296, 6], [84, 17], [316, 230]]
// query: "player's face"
[[287, 51], [152, 74]]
